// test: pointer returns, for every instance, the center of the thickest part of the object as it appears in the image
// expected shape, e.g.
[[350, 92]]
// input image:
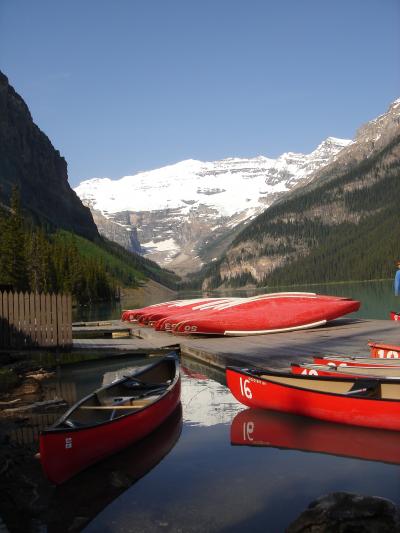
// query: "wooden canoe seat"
[[134, 404]]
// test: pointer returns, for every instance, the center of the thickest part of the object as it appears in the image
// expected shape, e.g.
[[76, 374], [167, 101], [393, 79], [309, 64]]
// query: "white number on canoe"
[[307, 372], [245, 389], [68, 442], [389, 354], [190, 328], [248, 428]]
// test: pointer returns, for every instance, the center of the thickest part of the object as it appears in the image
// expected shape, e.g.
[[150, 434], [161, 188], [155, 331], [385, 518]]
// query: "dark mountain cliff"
[[29, 161], [344, 224]]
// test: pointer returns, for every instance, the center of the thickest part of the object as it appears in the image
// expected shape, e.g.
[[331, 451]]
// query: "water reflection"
[[206, 484], [78, 501], [258, 427]]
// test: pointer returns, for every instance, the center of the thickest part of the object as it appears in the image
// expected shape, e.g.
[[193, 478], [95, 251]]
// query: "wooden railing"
[[33, 320]]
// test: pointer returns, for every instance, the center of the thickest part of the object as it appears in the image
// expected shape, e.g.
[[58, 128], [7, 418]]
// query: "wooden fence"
[[33, 320]]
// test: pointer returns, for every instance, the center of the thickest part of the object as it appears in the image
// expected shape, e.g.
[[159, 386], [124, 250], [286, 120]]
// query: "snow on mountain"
[[175, 208], [218, 184]]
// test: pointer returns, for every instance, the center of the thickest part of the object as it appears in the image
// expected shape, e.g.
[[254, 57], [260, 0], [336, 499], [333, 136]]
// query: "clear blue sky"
[[127, 85]]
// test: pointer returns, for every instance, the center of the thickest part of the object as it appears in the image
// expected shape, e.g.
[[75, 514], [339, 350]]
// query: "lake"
[[202, 471], [376, 297]]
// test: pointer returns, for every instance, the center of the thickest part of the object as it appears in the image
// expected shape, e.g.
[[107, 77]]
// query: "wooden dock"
[[342, 336]]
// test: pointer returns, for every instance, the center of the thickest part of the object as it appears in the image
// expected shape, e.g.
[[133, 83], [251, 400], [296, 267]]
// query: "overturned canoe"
[[110, 419], [356, 401], [270, 313]]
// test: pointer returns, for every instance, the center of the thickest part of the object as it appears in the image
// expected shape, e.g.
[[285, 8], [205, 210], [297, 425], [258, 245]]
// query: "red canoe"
[[187, 306], [271, 313], [110, 419], [384, 351], [171, 320], [131, 314], [375, 371], [357, 401], [151, 315], [259, 427], [388, 371], [107, 480], [357, 361]]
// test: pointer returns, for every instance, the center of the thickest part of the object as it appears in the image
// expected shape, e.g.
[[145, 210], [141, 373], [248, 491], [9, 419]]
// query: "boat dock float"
[[277, 350]]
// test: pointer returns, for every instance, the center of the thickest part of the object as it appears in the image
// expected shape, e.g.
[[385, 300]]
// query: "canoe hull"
[[66, 451], [356, 362], [261, 393], [384, 351], [270, 314]]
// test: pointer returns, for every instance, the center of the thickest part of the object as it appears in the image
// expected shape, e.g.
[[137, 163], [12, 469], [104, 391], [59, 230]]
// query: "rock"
[[29, 160], [344, 512]]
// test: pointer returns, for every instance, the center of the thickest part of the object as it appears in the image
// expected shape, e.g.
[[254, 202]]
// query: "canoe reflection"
[[259, 427], [79, 500]]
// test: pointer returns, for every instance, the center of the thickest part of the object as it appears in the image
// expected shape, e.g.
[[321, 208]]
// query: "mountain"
[[187, 213], [343, 224], [29, 161], [60, 249]]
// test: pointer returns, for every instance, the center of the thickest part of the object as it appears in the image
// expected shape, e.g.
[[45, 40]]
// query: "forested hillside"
[[344, 227], [33, 260]]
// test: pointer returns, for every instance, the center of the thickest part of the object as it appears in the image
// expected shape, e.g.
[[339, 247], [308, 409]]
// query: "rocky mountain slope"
[[186, 214], [347, 211], [29, 161]]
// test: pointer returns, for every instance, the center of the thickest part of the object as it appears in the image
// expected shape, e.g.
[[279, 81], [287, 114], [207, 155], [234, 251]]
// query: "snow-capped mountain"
[[179, 209]]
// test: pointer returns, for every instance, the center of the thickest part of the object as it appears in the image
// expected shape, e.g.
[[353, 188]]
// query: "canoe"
[[133, 314], [151, 315], [271, 313], [129, 315], [107, 480], [260, 427], [357, 361], [356, 401], [384, 351], [171, 320], [110, 419], [154, 319], [306, 369], [309, 369]]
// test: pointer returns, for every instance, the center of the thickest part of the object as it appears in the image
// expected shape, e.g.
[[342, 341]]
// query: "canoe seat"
[[72, 423], [365, 389]]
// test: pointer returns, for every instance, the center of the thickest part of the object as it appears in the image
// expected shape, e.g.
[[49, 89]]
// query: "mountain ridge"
[[299, 238], [181, 209]]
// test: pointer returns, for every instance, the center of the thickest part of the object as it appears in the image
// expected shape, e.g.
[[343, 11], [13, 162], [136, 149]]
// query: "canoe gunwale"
[[55, 427]]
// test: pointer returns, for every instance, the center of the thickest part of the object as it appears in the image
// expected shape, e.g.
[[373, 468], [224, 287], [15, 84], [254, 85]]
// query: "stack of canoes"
[[267, 313]]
